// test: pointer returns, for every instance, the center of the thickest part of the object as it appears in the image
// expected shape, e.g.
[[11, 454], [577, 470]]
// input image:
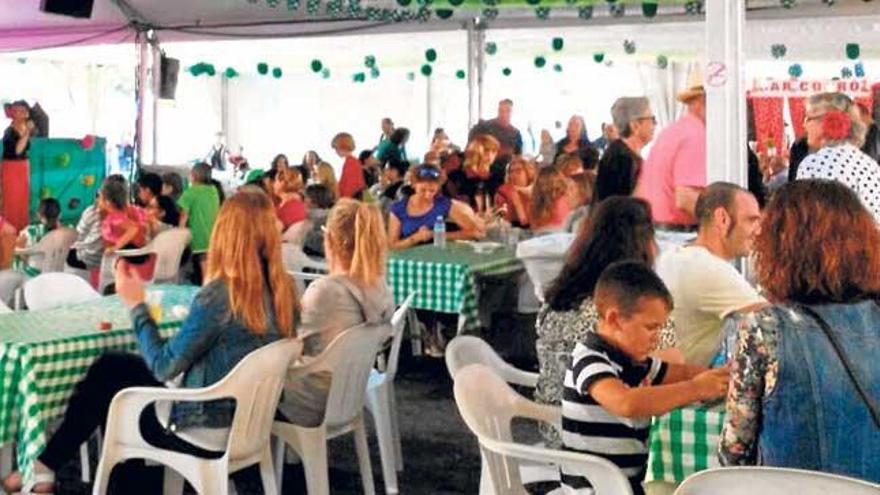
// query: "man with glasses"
[[619, 167], [675, 171]]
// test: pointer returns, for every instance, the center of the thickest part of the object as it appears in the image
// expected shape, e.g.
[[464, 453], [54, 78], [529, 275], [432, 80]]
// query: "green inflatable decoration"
[[369, 61], [598, 57], [491, 48], [325, 73], [444, 13], [852, 51], [460, 74], [316, 65], [431, 55], [506, 71], [649, 9], [557, 44], [410, 76], [540, 62], [557, 67], [374, 73], [277, 73], [230, 73], [263, 68], [427, 70]]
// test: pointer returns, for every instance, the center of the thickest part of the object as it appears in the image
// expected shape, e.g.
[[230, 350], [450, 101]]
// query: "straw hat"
[[694, 86]]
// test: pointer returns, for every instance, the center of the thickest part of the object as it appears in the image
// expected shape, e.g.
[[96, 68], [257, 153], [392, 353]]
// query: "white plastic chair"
[[50, 290], [543, 257], [50, 253], [255, 383], [762, 480], [382, 403], [487, 405], [296, 262], [466, 349], [349, 358], [168, 246]]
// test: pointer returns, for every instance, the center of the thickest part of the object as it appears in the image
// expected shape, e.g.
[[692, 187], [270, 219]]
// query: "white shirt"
[[705, 289], [849, 166]]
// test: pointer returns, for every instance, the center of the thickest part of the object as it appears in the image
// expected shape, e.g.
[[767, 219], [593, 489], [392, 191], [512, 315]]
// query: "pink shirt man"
[[678, 159]]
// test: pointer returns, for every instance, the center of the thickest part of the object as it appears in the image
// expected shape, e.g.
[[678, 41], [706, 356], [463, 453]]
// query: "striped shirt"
[[589, 428]]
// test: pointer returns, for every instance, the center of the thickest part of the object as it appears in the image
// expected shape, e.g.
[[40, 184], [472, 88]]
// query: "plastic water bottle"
[[440, 233]]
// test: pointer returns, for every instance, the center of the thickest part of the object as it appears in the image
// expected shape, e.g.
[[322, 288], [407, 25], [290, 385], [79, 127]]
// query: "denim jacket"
[[209, 344]]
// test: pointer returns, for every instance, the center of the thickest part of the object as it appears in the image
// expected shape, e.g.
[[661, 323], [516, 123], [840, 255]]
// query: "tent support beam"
[[726, 156], [476, 66]]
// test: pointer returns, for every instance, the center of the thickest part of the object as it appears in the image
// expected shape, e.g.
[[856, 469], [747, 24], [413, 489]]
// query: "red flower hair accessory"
[[836, 125]]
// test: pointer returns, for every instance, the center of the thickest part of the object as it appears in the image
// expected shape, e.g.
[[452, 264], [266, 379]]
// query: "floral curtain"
[[768, 121], [797, 109]]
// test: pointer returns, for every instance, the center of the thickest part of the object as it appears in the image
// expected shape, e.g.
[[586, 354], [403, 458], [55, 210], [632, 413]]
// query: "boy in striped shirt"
[[614, 386]]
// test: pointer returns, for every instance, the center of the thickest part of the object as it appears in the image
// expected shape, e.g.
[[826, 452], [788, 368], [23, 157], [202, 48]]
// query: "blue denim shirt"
[[209, 344]]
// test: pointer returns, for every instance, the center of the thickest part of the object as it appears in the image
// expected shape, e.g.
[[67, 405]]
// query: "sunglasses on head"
[[428, 173]]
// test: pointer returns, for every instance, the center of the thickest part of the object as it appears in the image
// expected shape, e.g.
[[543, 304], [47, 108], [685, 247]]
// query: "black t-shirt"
[[10, 139], [618, 171], [585, 151], [170, 212]]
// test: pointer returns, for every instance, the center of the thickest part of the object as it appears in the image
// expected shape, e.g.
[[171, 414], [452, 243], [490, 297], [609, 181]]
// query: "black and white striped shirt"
[[588, 427]]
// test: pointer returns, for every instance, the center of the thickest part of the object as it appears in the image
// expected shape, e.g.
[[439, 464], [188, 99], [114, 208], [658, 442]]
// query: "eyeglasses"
[[428, 173], [652, 118]]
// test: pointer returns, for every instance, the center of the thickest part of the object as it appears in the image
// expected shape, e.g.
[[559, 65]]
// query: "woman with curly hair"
[[805, 379], [551, 201], [835, 129]]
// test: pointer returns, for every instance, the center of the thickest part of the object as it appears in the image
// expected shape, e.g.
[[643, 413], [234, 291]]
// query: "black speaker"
[[73, 8], [169, 67]]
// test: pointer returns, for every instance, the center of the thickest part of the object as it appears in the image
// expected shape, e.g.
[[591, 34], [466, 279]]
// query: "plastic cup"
[[153, 301]]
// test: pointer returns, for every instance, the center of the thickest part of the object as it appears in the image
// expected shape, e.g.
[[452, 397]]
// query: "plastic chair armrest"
[[511, 374], [125, 253]]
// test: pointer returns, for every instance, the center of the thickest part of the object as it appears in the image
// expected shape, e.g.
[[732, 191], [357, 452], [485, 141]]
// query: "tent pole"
[[727, 159], [476, 37], [143, 52], [157, 85]]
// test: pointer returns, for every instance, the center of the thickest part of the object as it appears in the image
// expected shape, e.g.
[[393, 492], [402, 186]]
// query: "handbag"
[[838, 348]]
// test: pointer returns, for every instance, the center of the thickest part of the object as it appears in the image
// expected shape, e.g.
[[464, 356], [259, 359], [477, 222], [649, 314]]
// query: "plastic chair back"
[[256, 384], [50, 290], [54, 248], [772, 481], [466, 349], [349, 358], [543, 258], [487, 405], [169, 247], [398, 325]]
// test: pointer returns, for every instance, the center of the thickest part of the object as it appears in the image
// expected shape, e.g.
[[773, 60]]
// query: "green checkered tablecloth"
[[447, 278], [683, 442], [43, 354]]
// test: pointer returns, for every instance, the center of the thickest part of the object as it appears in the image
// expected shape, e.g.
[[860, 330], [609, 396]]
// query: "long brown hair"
[[550, 185], [245, 254], [818, 244], [356, 234], [476, 155]]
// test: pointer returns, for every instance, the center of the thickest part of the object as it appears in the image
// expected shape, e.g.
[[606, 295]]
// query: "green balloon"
[[317, 65], [557, 67], [460, 74], [374, 73], [852, 51], [263, 68], [431, 55], [540, 62], [369, 61], [558, 43], [210, 70], [277, 73], [444, 13], [325, 73], [491, 48], [598, 57], [230, 73], [506, 71], [427, 70]]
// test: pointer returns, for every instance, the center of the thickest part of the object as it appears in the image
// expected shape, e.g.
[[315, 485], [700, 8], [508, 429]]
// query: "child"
[[199, 207], [291, 208], [89, 243], [162, 211], [123, 226], [172, 185], [351, 182], [613, 386], [49, 212]]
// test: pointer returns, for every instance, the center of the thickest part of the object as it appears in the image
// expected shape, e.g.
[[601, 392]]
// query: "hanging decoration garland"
[[203, 68], [359, 77]]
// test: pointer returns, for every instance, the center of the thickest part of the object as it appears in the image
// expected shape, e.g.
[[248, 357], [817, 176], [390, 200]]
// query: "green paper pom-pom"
[[557, 44], [795, 70], [277, 73], [325, 73], [852, 51], [410, 76], [316, 65], [649, 9], [374, 72], [210, 70], [460, 74], [359, 77], [540, 62], [263, 68], [444, 13], [63, 159], [230, 73], [431, 55], [557, 67], [506, 71], [598, 57], [427, 70], [491, 48], [369, 61]]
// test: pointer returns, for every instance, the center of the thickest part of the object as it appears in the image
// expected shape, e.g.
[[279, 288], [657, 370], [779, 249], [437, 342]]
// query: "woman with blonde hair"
[[352, 294], [835, 130], [514, 198], [479, 156], [551, 201], [248, 301], [324, 174], [288, 188], [411, 219]]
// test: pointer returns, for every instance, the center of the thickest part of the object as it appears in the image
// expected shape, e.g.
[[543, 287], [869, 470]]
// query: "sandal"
[[42, 484]]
